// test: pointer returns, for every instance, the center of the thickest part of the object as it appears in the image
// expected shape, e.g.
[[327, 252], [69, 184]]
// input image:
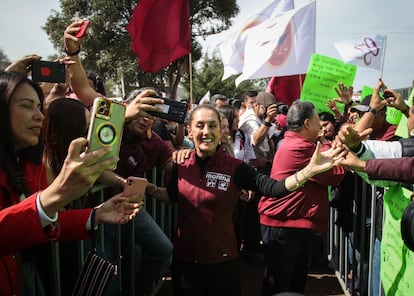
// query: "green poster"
[[397, 261], [322, 76], [402, 130], [366, 90]]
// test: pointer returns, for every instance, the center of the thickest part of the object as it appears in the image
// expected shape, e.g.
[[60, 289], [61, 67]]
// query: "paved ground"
[[321, 281]]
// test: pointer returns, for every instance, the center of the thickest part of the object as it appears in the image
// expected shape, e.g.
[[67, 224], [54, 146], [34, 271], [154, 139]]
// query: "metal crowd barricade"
[[338, 241], [164, 215], [342, 249]]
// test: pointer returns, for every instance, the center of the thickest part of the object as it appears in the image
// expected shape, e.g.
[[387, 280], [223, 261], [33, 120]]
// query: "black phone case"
[[171, 110], [45, 71]]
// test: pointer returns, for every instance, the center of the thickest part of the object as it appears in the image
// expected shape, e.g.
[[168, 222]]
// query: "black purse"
[[95, 275]]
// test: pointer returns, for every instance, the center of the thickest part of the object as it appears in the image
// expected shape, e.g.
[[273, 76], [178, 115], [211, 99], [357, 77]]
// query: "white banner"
[[368, 51], [232, 49], [281, 46]]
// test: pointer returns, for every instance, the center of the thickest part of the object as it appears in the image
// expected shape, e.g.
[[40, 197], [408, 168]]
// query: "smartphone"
[[45, 71], [106, 126], [82, 30], [171, 110], [134, 189]]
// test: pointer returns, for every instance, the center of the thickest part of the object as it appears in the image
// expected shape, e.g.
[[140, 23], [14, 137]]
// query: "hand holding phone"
[[45, 71], [134, 189], [83, 29], [106, 126], [171, 110]]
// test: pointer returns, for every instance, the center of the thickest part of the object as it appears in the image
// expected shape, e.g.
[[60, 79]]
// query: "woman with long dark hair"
[[29, 209]]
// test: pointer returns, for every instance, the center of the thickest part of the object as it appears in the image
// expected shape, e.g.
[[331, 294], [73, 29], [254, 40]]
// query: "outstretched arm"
[[79, 80]]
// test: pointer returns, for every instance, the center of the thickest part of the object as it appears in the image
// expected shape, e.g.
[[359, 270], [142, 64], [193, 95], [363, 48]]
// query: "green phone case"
[[106, 127]]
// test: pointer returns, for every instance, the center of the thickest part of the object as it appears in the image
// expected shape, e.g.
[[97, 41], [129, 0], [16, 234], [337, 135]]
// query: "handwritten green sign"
[[322, 76], [402, 130], [397, 261]]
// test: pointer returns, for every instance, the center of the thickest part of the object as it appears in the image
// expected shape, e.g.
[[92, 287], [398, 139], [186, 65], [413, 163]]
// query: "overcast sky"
[[336, 20]]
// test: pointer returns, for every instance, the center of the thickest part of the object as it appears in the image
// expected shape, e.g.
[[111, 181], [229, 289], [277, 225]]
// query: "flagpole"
[[383, 56], [190, 71]]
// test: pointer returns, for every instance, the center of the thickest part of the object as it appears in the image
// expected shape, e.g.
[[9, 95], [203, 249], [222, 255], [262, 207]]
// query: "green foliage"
[[208, 78], [4, 60], [107, 50]]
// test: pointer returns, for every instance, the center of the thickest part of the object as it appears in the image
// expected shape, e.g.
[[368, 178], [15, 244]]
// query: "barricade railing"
[[164, 215], [352, 254]]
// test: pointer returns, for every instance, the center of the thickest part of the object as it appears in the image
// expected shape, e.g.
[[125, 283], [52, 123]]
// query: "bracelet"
[[94, 227], [373, 111], [297, 180], [76, 52], [267, 123]]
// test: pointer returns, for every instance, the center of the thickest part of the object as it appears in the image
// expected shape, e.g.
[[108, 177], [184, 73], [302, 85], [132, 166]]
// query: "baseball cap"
[[281, 120], [363, 106], [265, 98]]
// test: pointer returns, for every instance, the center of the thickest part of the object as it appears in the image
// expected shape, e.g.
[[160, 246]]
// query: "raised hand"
[[72, 43], [23, 65], [352, 161], [142, 103], [344, 93], [79, 172], [351, 137], [116, 210], [323, 161]]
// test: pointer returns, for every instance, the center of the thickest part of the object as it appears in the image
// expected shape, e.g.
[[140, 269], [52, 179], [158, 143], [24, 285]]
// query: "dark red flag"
[[286, 88], [160, 32]]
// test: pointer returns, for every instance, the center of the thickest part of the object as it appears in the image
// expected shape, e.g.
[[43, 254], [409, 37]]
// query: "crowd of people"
[[246, 176]]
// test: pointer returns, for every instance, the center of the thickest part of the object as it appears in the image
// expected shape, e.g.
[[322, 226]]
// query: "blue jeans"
[[156, 249], [376, 264]]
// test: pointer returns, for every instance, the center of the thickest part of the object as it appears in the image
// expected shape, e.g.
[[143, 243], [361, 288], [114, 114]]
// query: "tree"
[[4, 60], [107, 50], [208, 78]]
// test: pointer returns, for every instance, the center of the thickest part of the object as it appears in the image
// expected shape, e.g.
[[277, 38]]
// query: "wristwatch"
[[373, 111]]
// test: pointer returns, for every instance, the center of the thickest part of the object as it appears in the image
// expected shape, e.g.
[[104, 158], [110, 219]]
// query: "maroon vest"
[[206, 200]]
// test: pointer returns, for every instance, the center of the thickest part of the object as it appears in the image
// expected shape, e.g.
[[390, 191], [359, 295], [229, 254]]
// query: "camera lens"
[[101, 110]]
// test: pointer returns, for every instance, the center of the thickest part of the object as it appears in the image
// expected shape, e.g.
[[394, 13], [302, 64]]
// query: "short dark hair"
[[326, 116], [200, 108], [251, 93], [298, 112]]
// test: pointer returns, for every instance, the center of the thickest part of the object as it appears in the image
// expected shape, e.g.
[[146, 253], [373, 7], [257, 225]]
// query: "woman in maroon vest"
[[206, 188]]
